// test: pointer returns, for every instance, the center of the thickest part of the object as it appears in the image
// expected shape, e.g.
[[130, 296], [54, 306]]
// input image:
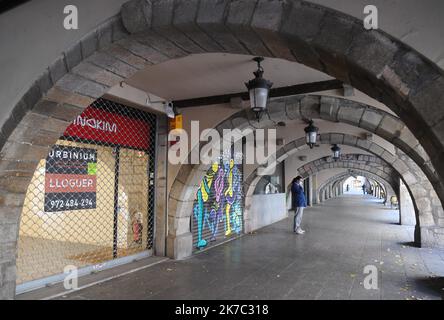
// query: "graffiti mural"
[[218, 206]]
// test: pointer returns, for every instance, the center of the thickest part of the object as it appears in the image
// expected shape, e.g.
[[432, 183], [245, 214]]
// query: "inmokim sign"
[[98, 125], [70, 179]]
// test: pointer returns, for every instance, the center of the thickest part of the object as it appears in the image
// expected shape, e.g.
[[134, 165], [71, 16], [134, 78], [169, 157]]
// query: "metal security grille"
[[219, 203], [92, 199]]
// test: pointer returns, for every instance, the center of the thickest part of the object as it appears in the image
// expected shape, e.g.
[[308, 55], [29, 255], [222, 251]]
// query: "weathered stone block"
[[370, 119], [364, 144], [146, 52], [118, 30], [371, 50], [267, 15], [178, 225], [388, 157], [251, 41], [112, 64], [160, 43], [31, 97], [179, 39], [162, 12], [409, 178], [350, 112], [73, 56], [212, 12], [128, 57], [396, 84], [333, 41], [310, 107], [400, 166], [240, 12], [11, 208], [376, 149], [276, 111], [89, 44], [97, 74], [57, 69], [185, 11], [44, 82], [70, 82], [8, 232], [200, 38], [240, 123], [92, 89], [336, 138], [105, 34], [24, 152], [350, 140], [292, 107], [390, 127], [180, 247], [133, 15], [224, 37], [407, 139], [329, 108]]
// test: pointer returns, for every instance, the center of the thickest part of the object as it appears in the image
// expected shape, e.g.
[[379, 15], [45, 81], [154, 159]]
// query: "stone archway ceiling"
[[163, 30], [323, 39], [113, 52], [339, 178], [421, 190], [366, 163], [356, 114]]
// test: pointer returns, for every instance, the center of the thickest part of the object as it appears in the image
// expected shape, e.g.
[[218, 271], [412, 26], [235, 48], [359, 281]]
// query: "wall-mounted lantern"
[[311, 134], [258, 88], [336, 152]]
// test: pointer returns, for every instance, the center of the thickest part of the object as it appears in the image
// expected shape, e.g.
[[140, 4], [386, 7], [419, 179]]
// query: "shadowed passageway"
[[343, 235]]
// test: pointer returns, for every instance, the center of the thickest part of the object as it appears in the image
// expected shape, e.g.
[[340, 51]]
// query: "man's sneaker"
[[300, 231]]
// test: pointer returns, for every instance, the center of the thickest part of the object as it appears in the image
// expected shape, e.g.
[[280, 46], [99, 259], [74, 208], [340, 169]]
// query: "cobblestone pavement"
[[343, 235]]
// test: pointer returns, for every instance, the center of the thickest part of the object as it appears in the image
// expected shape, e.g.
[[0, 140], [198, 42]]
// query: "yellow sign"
[[176, 122]]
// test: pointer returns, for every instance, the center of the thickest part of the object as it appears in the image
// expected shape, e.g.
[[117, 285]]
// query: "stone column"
[[314, 194], [406, 209], [161, 186]]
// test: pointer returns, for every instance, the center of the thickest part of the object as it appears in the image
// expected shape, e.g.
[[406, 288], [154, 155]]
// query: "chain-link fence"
[[92, 199]]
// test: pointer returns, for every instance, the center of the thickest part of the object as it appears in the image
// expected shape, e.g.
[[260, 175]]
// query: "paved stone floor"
[[343, 236]]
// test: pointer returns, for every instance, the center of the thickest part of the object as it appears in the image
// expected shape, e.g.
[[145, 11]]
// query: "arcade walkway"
[[343, 235]]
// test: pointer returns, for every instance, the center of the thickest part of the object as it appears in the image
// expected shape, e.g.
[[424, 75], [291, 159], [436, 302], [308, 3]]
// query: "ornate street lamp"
[[311, 134], [336, 152], [258, 88]]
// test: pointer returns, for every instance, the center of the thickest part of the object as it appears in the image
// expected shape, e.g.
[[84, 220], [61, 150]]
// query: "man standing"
[[298, 203]]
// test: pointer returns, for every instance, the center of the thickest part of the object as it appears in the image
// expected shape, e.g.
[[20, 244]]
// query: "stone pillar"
[[406, 209], [161, 186], [8, 248], [179, 236], [180, 239], [314, 195]]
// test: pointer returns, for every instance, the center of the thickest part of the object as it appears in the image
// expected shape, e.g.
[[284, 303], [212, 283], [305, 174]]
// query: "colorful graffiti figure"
[[230, 198], [236, 200], [216, 211], [219, 200], [202, 196]]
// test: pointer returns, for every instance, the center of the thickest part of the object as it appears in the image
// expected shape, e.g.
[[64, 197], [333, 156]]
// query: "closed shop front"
[[91, 201], [219, 204]]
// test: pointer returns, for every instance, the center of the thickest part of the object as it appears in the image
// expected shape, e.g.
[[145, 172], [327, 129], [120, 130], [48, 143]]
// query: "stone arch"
[[423, 218], [429, 216], [155, 31], [341, 177], [294, 108]]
